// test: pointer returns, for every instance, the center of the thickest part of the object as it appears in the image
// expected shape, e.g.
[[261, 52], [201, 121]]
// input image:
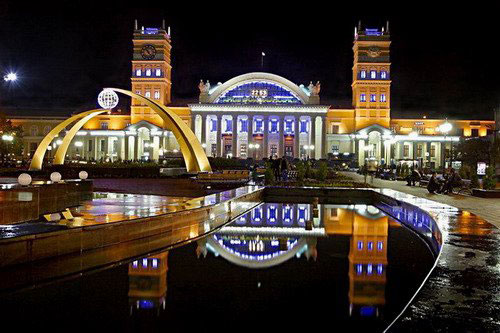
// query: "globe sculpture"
[[107, 99]]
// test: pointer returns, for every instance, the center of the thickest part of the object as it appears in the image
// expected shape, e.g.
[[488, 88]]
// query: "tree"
[[471, 151], [11, 138], [490, 179]]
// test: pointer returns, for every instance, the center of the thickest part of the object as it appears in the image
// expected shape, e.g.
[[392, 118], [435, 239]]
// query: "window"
[[382, 98], [363, 74], [34, 130], [229, 125], [380, 246], [157, 94], [335, 129], [303, 127], [258, 125], [419, 150], [147, 94], [244, 126], [433, 151], [373, 74], [148, 72], [274, 126], [373, 98], [138, 92], [474, 132], [362, 97], [360, 245], [406, 150], [370, 246], [138, 72], [214, 126], [158, 72], [90, 145], [104, 125], [383, 75], [288, 126]]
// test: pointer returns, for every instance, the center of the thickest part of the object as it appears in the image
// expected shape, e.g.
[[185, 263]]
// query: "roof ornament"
[[204, 87], [387, 26], [359, 25], [168, 31], [314, 89], [135, 26], [163, 24]]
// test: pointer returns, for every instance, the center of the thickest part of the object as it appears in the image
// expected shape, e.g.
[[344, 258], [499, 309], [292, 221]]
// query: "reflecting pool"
[[278, 266]]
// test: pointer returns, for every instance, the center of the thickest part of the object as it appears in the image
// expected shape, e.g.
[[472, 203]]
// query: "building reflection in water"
[[273, 233], [148, 283]]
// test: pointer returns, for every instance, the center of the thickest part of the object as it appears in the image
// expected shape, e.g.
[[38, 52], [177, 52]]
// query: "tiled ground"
[[489, 209]]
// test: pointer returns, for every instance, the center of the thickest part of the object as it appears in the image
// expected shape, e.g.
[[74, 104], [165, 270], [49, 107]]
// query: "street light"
[[10, 77], [445, 128]]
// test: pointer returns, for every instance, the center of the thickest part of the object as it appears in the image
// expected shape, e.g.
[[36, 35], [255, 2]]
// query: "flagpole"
[[262, 60]]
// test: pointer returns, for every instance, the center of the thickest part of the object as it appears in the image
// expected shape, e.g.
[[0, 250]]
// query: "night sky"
[[444, 61]]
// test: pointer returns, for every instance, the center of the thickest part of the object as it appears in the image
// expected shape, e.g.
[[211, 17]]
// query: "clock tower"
[[151, 71], [371, 82]]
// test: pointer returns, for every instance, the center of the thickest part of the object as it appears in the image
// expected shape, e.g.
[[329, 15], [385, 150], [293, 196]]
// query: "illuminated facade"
[[261, 114]]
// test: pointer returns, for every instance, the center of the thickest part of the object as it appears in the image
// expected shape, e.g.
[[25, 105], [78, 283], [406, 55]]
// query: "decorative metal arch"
[[194, 155], [37, 159], [63, 148]]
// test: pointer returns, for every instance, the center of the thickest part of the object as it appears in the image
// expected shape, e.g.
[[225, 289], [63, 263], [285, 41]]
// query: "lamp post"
[[445, 128]]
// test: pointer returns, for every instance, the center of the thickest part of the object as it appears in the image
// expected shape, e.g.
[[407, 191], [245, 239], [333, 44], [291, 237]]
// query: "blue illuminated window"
[[274, 126], [373, 74], [373, 98], [382, 98], [229, 125], [258, 125], [380, 246], [288, 126], [383, 75], [360, 245], [148, 72], [154, 263], [367, 311], [359, 269], [380, 269], [369, 269], [363, 74], [370, 246], [362, 97], [303, 127], [244, 125], [158, 72], [214, 126], [138, 72]]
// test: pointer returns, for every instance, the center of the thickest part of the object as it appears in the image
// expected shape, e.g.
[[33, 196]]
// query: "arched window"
[[34, 130], [148, 72]]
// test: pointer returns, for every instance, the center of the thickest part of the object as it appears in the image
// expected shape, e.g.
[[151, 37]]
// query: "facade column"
[[203, 131], [281, 140], [122, 147], [249, 135], [219, 136], [428, 153], [156, 148], [127, 147], [296, 137], [109, 148], [324, 124], [265, 137], [136, 147], [313, 138], [234, 136]]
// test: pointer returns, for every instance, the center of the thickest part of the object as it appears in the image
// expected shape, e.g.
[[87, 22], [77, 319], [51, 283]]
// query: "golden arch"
[[193, 153], [37, 159], [63, 148]]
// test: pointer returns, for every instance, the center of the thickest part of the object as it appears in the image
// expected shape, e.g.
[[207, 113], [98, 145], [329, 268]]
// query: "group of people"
[[450, 179], [280, 167]]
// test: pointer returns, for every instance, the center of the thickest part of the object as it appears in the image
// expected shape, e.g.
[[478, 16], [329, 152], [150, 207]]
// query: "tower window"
[[362, 98], [104, 125], [157, 94], [373, 74], [382, 98], [158, 72], [138, 72], [383, 75], [363, 74], [373, 98], [148, 72], [147, 94]]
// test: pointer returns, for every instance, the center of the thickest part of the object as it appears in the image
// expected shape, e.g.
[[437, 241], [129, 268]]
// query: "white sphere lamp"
[[24, 179], [83, 175], [55, 177]]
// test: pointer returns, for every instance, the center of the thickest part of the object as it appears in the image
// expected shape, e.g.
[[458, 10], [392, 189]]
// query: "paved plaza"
[[489, 209]]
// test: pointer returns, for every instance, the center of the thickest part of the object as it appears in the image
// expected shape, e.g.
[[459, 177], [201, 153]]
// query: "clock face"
[[148, 52], [373, 51]]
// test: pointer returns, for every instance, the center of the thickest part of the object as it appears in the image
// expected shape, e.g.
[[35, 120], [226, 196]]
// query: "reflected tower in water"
[[148, 283]]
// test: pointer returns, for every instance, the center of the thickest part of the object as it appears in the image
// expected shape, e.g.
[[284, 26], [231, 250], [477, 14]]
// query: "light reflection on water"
[[275, 237]]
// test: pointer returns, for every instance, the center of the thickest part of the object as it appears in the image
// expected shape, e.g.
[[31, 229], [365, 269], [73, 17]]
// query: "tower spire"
[[135, 25], [387, 26], [163, 24]]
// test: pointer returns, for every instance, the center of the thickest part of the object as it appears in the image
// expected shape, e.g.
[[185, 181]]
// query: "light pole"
[[445, 128]]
